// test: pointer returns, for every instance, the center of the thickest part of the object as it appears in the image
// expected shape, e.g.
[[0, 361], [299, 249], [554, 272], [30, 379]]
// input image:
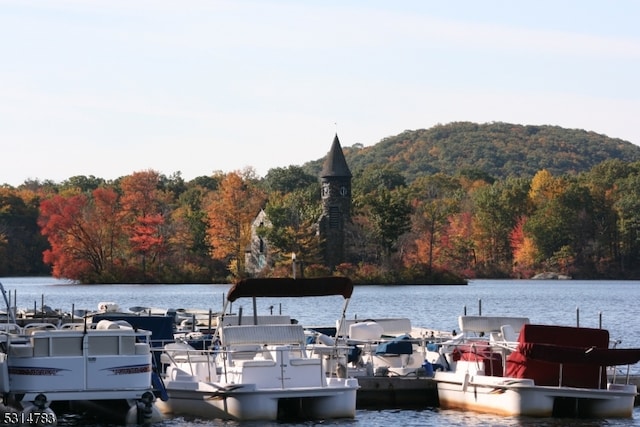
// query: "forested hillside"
[[455, 201], [498, 150]]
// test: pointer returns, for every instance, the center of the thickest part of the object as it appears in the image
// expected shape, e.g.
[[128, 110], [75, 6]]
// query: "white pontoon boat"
[[260, 371]]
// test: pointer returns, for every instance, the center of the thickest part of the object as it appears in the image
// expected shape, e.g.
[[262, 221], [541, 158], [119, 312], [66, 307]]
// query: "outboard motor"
[[145, 408], [39, 413], [143, 412]]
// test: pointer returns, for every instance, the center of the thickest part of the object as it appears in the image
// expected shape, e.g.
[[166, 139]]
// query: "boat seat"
[[391, 327], [231, 320], [242, 352], [256, 363], [495, 337], [489, 324], [309, 361], [32, 328], [262, 335], [107, 325], [176, 351], [508, 333], [142, 348], [21, 350], [71, 326], [186, 358]]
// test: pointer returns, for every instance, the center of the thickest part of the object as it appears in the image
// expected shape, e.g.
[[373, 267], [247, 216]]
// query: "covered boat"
[[260, 370], [549, 371]]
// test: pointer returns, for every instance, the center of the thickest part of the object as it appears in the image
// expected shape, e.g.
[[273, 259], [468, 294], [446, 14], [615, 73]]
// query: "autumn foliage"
[[149, 228], [109, 236], [231, 211]]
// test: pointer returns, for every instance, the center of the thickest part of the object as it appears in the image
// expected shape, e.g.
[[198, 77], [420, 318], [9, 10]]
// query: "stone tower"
[[335, 181]]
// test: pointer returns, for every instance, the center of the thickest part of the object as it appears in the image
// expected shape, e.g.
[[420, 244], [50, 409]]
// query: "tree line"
[[150, 228]]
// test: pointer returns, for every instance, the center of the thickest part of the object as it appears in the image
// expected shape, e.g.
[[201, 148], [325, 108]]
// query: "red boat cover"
[[288, 287], [542, 347], [589, 356]]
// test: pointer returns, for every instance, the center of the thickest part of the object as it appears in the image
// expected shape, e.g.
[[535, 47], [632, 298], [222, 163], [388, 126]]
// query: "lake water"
[[591, 303]]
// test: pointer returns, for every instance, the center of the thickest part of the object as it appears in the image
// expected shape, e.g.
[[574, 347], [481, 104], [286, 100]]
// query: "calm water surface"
[[613, 303]]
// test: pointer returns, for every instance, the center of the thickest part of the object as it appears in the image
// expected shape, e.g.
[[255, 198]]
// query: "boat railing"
[[182, 354], [476, 345], [54, 342], [10, 328], [30, 328], [612, 374], [11, 315]]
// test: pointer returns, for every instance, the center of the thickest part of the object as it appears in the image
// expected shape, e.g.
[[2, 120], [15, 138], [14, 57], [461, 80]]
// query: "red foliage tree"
[[143, 205], [83, 233]]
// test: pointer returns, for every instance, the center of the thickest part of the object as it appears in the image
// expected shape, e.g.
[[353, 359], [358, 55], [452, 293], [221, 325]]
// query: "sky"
[[112, 87]]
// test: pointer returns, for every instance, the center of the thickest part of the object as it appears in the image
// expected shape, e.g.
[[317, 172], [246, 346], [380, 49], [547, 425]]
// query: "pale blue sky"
[[111, 87]]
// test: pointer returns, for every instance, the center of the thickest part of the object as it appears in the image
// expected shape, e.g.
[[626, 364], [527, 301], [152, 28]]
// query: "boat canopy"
[[580, 355], [288, 287]]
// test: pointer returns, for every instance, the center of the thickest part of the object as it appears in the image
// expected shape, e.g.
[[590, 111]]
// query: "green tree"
[[293, 217], [83, 183], [627, 206], [21, 244], [435, 198], [602, 182], [497, 209], [382, 209], [287, 180], [563, 224], [390, 217]]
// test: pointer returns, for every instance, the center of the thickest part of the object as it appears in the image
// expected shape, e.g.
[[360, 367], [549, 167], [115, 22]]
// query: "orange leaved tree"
[[231, 210]]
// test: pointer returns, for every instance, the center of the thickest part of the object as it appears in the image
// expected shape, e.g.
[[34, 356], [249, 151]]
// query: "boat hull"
[[521, 397], [246, 403]]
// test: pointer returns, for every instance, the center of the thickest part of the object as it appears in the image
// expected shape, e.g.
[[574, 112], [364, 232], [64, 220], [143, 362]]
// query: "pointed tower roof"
[[335, 163]]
